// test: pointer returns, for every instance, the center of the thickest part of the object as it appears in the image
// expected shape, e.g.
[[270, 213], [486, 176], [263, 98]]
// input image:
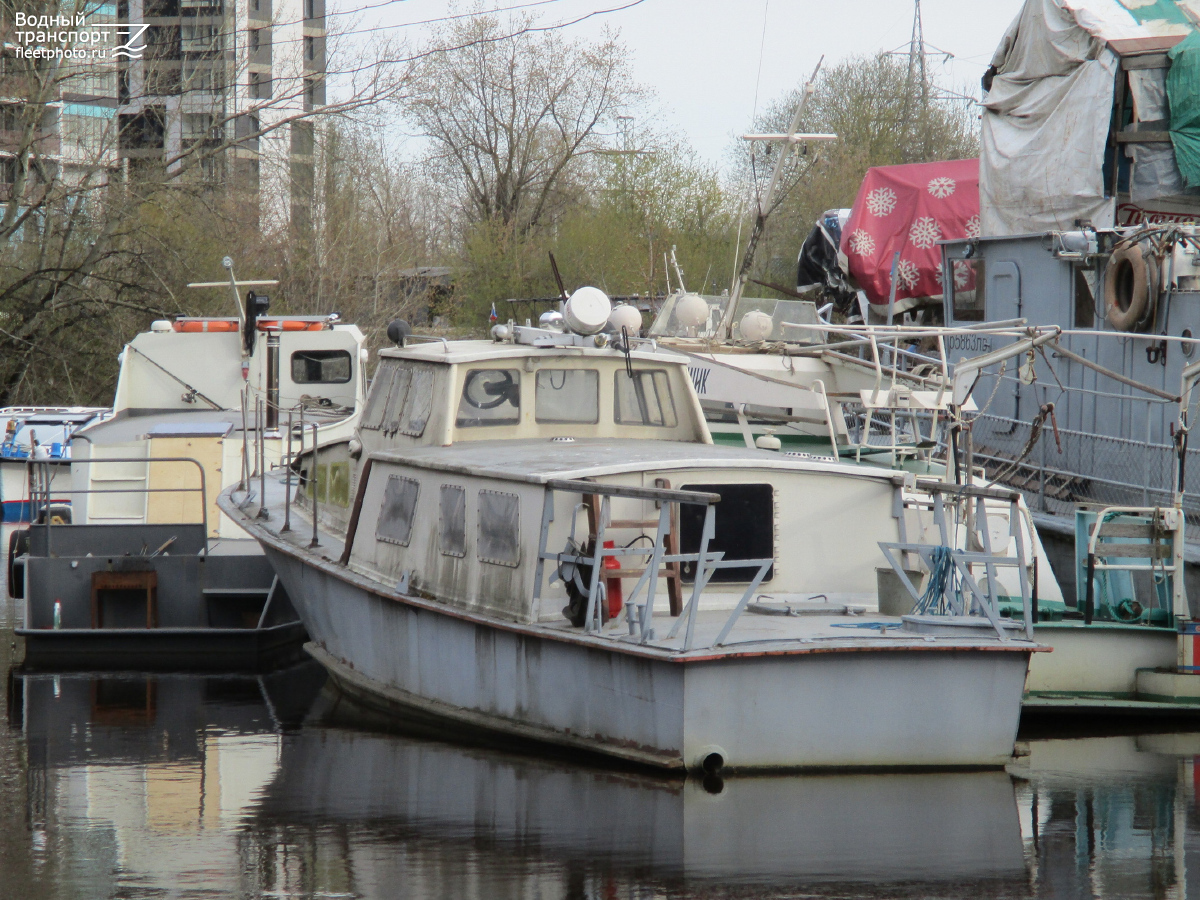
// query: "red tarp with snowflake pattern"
[[909, 209]]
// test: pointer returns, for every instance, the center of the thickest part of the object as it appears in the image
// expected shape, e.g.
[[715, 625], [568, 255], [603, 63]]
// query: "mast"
[[765, 201]]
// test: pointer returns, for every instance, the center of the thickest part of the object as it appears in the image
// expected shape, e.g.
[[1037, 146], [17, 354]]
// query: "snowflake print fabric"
[[907, 210], [881, 202], [924, 233], [940, 187], [862, 243]]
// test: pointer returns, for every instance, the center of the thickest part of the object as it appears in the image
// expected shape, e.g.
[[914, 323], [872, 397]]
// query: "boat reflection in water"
[[779, 829], [244, 786]]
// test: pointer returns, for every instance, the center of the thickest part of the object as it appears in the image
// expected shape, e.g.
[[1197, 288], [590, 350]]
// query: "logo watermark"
[[74, 37]]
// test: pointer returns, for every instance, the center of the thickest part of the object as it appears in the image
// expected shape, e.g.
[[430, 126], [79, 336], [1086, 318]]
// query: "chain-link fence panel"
[[1056, 474]]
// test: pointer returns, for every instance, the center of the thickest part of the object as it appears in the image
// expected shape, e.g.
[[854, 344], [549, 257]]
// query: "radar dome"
[[625, 316], [691, 310], [756, 325], [586, 312]]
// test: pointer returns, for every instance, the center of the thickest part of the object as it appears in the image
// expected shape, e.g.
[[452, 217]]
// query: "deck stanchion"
[[287, 487], [313, 483], [262, 468]]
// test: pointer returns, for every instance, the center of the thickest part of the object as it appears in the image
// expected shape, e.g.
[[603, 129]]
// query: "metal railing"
[[953, 588], [640, 616], [42, 478]]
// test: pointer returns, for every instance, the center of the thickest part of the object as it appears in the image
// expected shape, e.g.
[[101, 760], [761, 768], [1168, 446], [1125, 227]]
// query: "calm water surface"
[[181, 786]]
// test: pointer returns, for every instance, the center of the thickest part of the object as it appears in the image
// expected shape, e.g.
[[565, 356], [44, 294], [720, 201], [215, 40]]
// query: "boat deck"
[[839, 625]]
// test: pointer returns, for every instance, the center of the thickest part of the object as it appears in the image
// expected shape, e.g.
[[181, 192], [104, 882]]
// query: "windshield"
[[689, 315], [756, 319]]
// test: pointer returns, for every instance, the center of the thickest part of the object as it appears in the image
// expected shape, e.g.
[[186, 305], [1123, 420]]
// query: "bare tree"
[[511, 113], [95, 217]]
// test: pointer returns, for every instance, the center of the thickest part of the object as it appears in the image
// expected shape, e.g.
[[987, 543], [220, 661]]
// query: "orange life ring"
[[289, 325], [1130, 287], [193, 326]]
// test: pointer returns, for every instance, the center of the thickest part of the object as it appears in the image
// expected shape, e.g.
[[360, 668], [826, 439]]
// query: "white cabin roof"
[[455, 352], [540, 460]]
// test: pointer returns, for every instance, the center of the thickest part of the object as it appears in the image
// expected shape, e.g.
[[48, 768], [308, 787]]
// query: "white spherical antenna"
[[625, 316], [586, 312], [691, 310], [756, 325]]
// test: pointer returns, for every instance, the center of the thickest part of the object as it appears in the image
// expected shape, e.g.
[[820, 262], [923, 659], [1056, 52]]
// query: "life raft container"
[[1131, 287]]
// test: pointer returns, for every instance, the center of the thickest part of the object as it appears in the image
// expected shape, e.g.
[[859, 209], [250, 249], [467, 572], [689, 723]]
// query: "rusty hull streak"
[[371, 586]]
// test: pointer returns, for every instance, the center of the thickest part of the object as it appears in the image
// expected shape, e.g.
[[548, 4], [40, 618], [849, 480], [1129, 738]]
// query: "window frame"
[[670, 396], [323, 355]]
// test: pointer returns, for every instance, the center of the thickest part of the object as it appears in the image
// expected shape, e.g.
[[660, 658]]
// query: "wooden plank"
[[1145, 61], [1134, 551], [1125, 530], [179, 507], [1142, 137]]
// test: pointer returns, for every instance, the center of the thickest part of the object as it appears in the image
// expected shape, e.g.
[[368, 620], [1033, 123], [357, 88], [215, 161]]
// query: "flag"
[[493, 317]]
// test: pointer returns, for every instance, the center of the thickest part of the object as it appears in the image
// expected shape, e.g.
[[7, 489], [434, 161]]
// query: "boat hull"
[[858, 708]]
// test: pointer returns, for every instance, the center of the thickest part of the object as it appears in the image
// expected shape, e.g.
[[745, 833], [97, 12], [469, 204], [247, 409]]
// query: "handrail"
[[579, 486], [931, 486], [202, 489], [641, 622]]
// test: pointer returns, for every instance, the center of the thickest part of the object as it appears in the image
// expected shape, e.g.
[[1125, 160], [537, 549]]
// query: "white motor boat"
[[519, 505]]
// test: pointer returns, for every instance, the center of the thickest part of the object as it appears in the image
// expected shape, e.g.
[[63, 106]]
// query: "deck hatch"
[[452, 531], [499, 528], [745, 528], [396, 515]]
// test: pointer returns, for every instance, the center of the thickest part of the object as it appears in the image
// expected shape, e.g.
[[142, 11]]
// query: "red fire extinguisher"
[[612, 586]]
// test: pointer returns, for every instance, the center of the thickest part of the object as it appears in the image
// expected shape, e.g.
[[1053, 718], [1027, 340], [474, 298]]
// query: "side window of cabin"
[[401, 399], [411, 418], [643, 398], [321, 367], [399, 507], [968, 277], [567, 395], [452, 527], [744, 528], [377, 400], [499, 528], [490, 397]]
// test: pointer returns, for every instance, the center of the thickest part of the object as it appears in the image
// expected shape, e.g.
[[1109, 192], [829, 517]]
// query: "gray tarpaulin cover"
[[1047, 115], [1045, 125]]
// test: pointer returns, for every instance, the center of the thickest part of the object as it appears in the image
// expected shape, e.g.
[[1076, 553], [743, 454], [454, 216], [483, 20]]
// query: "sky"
[[710, 62]]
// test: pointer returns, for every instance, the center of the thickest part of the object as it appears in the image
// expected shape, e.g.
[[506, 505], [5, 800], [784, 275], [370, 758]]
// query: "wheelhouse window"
[[399, 508], [643, 398], [567, 395], [321, 367], [490, 397]]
